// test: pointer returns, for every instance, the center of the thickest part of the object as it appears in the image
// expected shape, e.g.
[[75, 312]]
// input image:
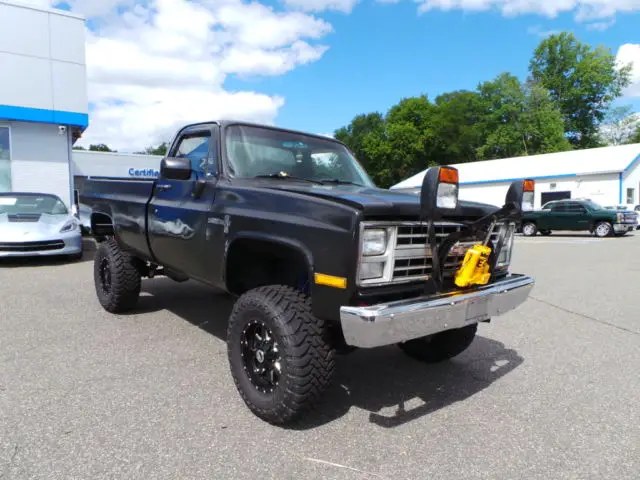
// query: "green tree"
[[634, 138], [458, 119], [582, 80], [101, 147], [520, 119], [159, 150], [619, 125]]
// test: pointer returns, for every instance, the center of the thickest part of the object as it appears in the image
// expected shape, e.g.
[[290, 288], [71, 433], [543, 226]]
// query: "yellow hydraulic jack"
[[475, 266]]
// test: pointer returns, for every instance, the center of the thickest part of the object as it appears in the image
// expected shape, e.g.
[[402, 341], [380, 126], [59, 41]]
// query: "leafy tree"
[[619, 125], [101, 147], [520, 119], [582, 80], [459, 116], [634, 138]]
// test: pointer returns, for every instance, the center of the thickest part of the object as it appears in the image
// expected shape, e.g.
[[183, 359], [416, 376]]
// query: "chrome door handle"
[[164, 186]]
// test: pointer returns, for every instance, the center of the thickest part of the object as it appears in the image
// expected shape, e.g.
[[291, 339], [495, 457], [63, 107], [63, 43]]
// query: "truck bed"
[[125, 203]]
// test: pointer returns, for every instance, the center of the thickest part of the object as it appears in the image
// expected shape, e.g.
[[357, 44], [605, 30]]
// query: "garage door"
[[549, 196]]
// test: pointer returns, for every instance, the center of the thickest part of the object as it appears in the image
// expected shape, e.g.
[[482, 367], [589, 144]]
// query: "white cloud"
[[630, 53], [155, 65], [345, 6], [601, 26], [584, 10]]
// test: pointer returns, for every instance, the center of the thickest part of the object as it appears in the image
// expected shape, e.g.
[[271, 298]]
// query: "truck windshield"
[[593, 205], [263, 152], [38, 204]]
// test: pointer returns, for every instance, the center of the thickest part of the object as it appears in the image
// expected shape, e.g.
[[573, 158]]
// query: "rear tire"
[[440, 346], [529, 229], [116, 278], [280, 355]]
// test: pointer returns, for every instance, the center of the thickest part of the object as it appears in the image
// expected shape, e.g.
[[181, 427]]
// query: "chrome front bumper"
[[624, 227], [394, 322]]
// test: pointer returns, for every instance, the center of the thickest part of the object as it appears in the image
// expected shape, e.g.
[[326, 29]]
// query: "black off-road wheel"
[[117, 280], [281, 356], [440, 346]]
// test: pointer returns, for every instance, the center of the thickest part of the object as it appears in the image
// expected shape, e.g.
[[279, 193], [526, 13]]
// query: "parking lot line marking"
[[342, 466]]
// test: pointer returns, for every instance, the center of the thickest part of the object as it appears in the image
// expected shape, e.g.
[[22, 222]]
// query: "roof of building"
[[591, 161], [55, 11]]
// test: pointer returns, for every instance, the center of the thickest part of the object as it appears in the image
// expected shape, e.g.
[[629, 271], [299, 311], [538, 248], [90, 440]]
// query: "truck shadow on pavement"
[[392, 387]]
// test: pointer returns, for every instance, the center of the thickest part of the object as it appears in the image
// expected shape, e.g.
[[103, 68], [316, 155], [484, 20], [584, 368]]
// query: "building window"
[[5, 160], [631, 195]]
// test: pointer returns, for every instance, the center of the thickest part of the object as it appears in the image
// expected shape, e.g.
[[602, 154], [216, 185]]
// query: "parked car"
[[578, 215], [33, 224], [320, 259]]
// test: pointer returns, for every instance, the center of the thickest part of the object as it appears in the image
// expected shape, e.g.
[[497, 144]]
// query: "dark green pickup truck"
[[578, 215]]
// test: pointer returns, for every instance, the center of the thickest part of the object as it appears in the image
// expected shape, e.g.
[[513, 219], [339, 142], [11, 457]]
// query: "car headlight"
[[69, 226], [374, 242], [620, 217]]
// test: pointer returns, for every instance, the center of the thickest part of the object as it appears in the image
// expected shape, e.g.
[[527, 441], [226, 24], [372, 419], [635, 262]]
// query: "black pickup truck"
[[320, 259]]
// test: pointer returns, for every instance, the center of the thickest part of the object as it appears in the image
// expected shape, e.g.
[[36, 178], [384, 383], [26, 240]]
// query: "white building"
[[44, 106], [608, 176], [43, 97]]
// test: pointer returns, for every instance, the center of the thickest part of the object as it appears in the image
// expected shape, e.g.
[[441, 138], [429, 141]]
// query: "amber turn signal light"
[[528, 186], [448, 175]]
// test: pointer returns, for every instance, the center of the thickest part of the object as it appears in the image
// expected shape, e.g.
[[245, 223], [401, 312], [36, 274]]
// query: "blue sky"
[[380, 53], [153, 65]]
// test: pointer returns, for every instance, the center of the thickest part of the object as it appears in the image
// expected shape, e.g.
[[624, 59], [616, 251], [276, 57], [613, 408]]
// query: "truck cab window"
[[195, 147]]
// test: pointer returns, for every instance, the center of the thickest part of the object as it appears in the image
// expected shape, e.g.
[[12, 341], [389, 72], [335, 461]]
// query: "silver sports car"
[[37, 224]]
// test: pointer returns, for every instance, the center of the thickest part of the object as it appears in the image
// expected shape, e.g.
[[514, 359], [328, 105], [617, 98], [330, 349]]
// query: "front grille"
[[31, 246], [413, 257], [631, 217], [18, 218]]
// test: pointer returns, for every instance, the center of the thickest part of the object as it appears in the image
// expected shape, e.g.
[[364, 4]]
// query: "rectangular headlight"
[[527, 201], [447, 196], [374, 242], [505, 254]]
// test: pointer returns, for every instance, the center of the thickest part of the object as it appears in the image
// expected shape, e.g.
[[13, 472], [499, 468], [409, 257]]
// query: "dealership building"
[[608, 175], [44, 106]]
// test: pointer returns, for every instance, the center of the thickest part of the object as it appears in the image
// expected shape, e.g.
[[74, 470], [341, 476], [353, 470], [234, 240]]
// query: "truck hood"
[[379, 202]]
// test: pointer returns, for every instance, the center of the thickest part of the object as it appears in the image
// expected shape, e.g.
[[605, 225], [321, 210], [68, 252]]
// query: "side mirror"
[[175, 168], [439, 193], [521, 195]]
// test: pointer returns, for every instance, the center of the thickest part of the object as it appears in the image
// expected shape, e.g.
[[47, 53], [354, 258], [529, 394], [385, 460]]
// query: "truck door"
[[178, 219], [577, 216]]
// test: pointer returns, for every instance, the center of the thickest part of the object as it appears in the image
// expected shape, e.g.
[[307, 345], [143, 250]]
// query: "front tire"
[[280, 355], [116, 278], [529, 229], [603, 229], [440, 346]]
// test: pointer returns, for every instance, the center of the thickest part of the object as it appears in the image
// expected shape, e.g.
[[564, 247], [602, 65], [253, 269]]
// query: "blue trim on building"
[[631, 164], [507, 180], [620, 187], [40, 115]]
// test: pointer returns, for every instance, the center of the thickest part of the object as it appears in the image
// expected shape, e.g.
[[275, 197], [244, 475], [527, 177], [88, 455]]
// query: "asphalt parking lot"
[[550, 391]]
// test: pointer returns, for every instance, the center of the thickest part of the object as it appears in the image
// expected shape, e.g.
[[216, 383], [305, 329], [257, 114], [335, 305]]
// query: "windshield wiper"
[[287, 176], [339, 182]]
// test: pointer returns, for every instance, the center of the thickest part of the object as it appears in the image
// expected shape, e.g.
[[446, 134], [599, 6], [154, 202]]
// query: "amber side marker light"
[[448, 175], [529, 186]]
